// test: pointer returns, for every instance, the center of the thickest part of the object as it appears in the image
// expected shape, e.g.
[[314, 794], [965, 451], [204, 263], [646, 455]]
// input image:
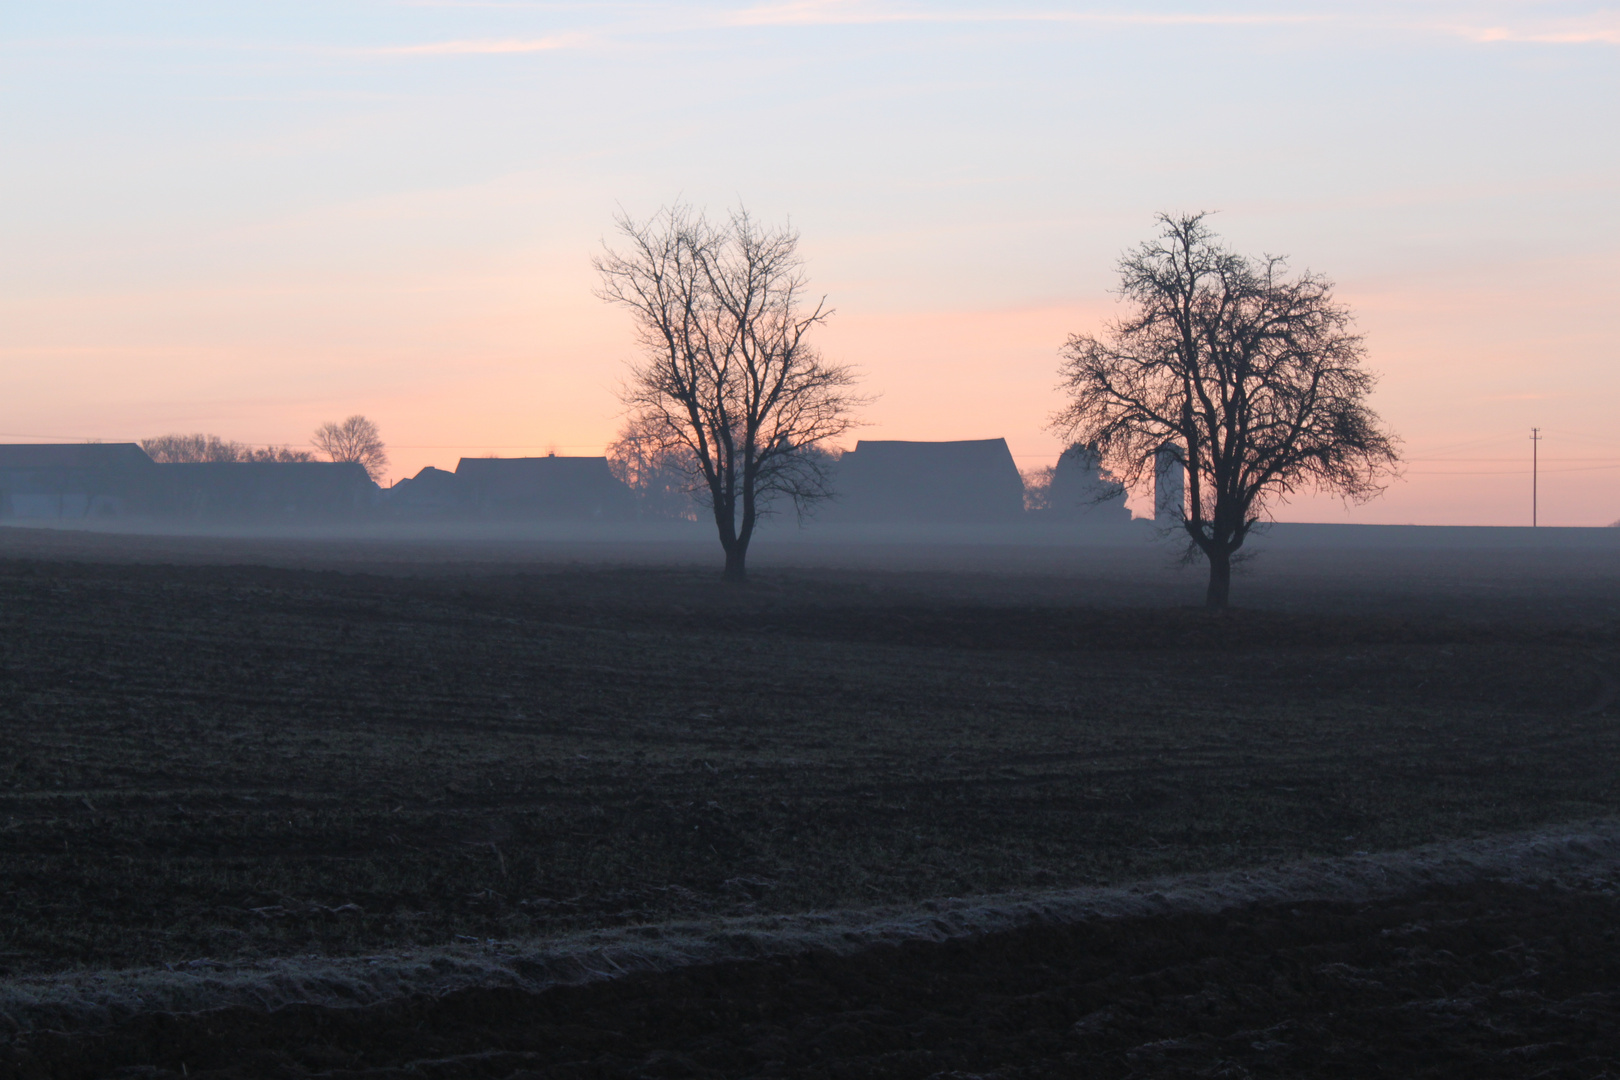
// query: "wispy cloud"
[[1603, 29], [855, 12], [1591, 35], [503, 46]]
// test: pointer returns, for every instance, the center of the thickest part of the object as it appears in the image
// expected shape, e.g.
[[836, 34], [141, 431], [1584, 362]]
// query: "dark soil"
[[218, 761], [1492, 981]]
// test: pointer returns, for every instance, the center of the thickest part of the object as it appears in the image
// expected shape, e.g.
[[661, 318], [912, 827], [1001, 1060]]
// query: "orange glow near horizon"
[[540, 377]]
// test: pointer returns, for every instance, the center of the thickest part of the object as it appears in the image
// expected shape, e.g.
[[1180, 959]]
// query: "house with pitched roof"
[[967, 481], [262, 490], [68, 481], [542, 488]]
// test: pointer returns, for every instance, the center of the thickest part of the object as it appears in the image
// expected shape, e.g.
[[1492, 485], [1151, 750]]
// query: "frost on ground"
[[1584, 856]]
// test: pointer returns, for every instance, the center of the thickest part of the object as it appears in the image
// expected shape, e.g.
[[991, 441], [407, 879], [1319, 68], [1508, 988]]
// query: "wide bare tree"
[[1250, 379], [728, 381], [355, 439]]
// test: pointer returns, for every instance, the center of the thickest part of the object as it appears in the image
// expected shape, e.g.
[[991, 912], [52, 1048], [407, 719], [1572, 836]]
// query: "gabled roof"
[[73, 456], [967, 480], [564, 486], [261, 488], [430, 486], [269, 479], [527, 476], [987, 454], [531, 468]]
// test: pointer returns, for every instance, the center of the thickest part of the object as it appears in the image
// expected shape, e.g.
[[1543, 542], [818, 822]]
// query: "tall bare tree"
[[355, 439], [1252, 380], [728, 380]]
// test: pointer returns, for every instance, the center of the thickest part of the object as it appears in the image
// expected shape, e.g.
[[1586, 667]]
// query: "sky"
[[251, 218]]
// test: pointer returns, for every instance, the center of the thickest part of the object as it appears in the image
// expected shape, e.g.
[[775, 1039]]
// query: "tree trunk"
[[737, 549], [1220, 578], [734, 543], [736, 572]]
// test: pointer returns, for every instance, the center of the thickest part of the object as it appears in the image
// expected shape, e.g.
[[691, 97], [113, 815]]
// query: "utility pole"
[[1535, 471]]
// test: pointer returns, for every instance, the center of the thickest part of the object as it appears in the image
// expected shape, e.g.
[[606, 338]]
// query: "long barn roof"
[[73, 456], [964, 480]]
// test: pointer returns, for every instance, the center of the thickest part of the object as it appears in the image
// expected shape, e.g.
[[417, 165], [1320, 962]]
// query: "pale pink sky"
[[248, 226]]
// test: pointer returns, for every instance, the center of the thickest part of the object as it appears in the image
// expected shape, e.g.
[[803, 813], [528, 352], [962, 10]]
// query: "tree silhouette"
[[355, 439], [662, 476], [212, 448], [1251, 380], [727, 380]]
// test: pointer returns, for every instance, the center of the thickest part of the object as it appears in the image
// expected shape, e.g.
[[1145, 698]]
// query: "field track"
[[1490, 958]]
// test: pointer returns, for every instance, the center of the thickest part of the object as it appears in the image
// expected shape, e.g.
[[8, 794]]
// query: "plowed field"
[[207, 762]]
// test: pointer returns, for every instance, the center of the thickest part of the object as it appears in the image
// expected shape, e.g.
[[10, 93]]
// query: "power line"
[[1484, 460], [1504, 472]]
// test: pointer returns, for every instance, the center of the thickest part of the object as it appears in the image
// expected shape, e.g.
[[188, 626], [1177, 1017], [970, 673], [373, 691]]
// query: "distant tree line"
[[356, 439], [211, 448]]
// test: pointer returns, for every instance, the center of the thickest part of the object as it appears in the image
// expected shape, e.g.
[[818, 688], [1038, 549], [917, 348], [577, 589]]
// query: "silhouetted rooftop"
[[967, 480], [544, 486], [73, 456]]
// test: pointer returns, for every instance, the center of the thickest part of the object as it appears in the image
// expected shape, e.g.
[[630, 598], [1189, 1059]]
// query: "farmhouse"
[[551, 487], [98, 480], [262, 490], [972, 481], [74, 480]]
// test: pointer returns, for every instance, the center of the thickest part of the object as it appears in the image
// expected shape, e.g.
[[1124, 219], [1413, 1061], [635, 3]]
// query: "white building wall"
[[1169, 487]]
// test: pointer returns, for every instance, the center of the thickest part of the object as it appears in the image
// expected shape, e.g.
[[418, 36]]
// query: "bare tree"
[[212, 448], [1249, 379], [355, 439], [727, 377], [1037, 487], [663, 477]]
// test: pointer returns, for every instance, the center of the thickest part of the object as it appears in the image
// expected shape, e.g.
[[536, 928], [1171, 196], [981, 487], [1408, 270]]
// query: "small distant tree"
[[211, 448], [728, 378], [664, 478], [355, 439], [1252, 379], [1037, 487]]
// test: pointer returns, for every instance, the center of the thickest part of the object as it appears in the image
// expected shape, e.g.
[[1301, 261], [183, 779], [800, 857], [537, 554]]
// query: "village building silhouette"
[[960, 482], [109, 480]]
